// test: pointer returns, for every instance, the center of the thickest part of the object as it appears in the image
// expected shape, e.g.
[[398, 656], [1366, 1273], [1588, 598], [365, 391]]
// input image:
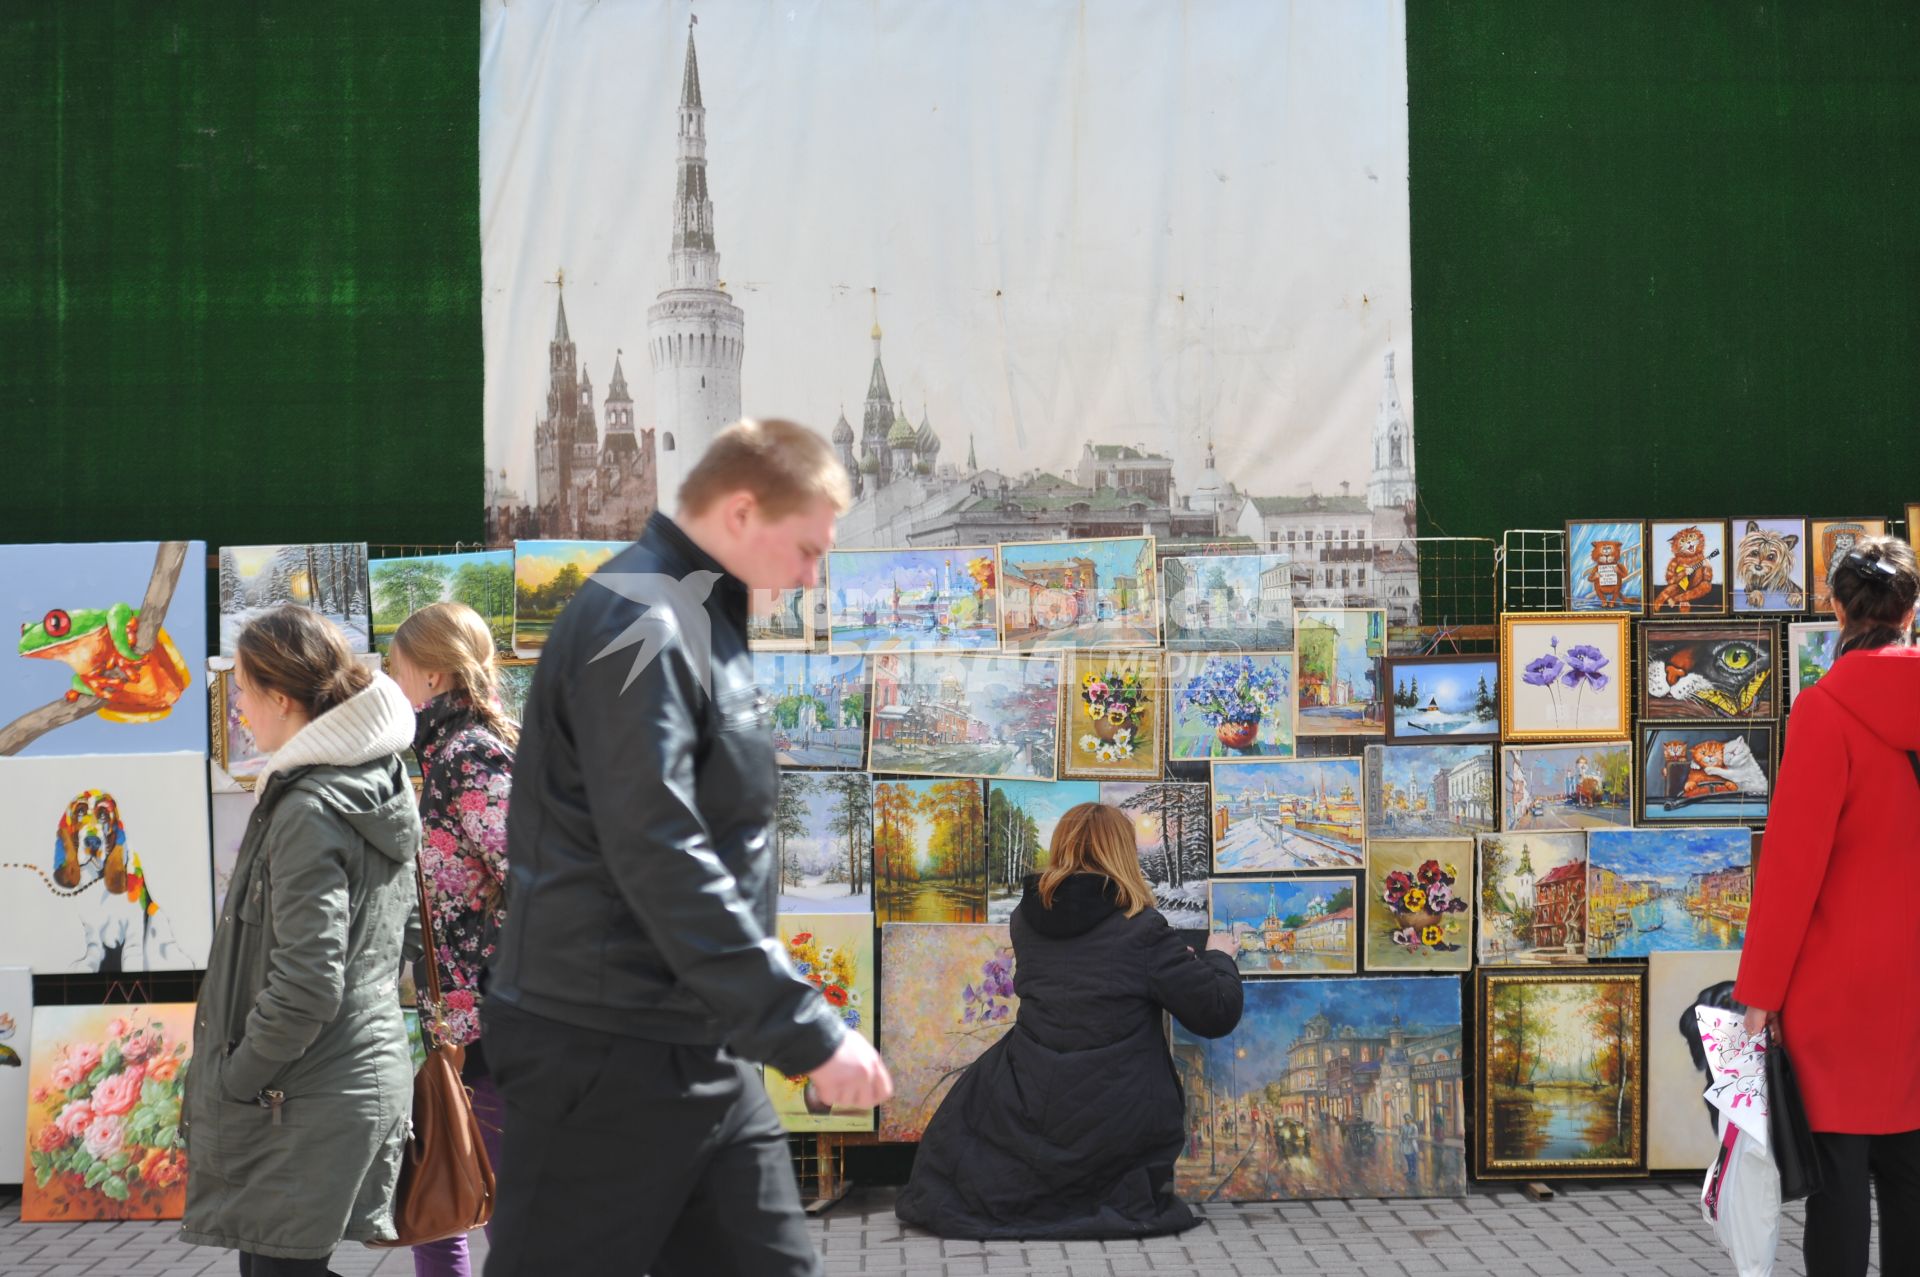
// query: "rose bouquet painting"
[[1232, 705], [946, 996], [1113, 729], [834, 953], [1563, 677], [104, 1111]]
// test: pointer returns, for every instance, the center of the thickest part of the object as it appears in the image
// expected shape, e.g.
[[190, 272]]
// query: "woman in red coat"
[[1832, 952]]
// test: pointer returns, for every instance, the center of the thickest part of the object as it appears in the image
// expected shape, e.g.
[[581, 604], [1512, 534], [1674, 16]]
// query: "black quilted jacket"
[[1068, 1127]]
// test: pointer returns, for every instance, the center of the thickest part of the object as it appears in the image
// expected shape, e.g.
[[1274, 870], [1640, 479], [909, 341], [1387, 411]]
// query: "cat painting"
[[1700, 775], [1684, 561], [1709, 671], [1604, 561], [1770, 565]]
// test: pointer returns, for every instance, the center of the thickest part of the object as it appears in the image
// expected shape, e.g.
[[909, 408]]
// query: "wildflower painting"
[[1563, 676], [946, 995], [834, 953], [1230, 704], [1112, 720], [1419, 904]]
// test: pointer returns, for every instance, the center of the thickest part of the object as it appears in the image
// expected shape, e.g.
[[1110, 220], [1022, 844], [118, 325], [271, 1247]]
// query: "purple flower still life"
[[1584, 664], [990, 1001], [1582, 667]]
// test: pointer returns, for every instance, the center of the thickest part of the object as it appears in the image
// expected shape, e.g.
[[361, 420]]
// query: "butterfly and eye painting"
[[1710, 671]]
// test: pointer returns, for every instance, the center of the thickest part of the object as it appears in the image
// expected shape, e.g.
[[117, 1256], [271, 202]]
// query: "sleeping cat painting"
[[1710, 671], [1698, 774], [1770, 565]]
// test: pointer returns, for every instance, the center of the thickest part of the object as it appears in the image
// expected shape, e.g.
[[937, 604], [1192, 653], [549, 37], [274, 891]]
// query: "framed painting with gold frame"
[[1564, 676]]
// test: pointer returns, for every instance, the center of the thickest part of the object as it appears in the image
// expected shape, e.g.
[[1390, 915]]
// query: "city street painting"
[[1341, 691], [1100, 592], [1769, 565], [1706, 775], [1559, 1091], [1288, 926], [1585, 786], [1667, 890], [482, 580], [1812, 648], [823, 842], [1288, 814], [818, 707], [929, 851], [1563, 676], [946, 995], [964, 714], [1228, 601], [1828, 542], [780, 620], [1606, 566], [1230, 704], [1689, 567], [1419, 914], [1112, 719], [925, 600], [834, 953], [1329, 1087], [1709, 670], [546, 576], [1170, 829], [1533, 898], [1429, 791], [1454, 697]]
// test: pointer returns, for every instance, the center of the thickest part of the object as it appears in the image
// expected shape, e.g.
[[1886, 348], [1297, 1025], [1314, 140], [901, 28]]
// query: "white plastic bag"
[[1741, 1199]]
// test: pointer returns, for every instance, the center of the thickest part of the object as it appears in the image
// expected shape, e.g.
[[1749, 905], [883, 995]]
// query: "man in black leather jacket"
[[638, 969]]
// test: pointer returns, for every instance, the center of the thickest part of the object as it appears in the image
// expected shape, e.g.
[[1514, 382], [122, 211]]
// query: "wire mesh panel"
[[1458, 579], [1533, 570]]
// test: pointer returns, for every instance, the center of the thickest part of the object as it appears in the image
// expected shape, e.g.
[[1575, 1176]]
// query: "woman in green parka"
[[302, 1080]]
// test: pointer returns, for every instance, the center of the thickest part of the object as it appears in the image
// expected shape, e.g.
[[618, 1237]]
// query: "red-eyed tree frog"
[[99, 646]]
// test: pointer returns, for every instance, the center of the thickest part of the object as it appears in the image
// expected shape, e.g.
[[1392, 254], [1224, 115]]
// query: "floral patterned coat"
[[466, 776]]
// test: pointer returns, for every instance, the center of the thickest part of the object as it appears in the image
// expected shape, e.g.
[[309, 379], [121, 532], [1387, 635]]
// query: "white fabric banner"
[[1044, 268]]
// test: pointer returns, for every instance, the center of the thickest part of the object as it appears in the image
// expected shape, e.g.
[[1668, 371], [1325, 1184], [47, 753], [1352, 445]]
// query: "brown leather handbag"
[[446, 1181]]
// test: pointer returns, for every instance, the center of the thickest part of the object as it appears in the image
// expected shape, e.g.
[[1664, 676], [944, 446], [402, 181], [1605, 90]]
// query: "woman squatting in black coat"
[[1069, 1125]]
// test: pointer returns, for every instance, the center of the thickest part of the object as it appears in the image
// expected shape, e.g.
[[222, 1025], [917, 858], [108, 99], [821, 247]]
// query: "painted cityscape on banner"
[[1081, 396], [1329, 1087]]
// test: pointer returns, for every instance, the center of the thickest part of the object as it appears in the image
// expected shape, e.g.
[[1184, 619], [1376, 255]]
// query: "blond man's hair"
[[1098, 839], [784, 465]]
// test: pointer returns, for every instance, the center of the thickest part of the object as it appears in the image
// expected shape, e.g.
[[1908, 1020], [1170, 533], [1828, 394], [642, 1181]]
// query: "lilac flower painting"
[[946, 995], [1563, 677]]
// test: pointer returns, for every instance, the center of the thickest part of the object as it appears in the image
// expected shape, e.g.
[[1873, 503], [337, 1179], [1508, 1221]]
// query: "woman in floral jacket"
[[443, 659]]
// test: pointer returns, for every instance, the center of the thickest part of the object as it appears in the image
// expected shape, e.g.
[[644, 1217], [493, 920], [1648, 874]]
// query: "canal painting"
[[1228, 601], [1586, 786], [1456, 697], [946, 995], [924, 600], [1667, 890], [1429, 791], [1288, 926], [1329, 1087], [1341, 650], [1563, 1063], [1112, 717], [1533, 898], [964, 714], [817, 705], [834, 953], [1288, 814], [1706, 775], [1100, 592], [823, 842], [1419, 914], [1170, 829], [1230, 704], [929, 851]]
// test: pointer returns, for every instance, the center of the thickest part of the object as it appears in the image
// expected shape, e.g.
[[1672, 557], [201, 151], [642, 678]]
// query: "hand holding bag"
[[1789, 1138], [446, 1182]]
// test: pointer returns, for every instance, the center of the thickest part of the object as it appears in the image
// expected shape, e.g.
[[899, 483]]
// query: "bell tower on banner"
[[695, 334]]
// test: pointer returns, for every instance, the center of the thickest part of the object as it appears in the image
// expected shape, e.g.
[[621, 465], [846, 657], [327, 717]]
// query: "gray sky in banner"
[[1032, 186]]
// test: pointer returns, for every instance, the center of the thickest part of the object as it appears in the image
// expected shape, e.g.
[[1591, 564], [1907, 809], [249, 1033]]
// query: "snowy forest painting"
[[823, 842], [1170, 830], [330, 579]]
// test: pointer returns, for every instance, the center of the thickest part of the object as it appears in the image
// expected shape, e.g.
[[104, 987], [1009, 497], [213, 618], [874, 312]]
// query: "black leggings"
[[252, 1265], [1839, 1222]]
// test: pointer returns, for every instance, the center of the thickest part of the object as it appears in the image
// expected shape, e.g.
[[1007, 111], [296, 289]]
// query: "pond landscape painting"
[[929, 851]]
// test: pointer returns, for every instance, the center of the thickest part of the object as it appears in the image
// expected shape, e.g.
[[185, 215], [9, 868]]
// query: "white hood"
[[370, 724]]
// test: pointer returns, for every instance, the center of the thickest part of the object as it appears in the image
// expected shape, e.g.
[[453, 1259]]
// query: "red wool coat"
[[1833, 942]]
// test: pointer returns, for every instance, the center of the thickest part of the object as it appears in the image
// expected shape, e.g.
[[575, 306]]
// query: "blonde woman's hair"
[[1095, 838], [782, 463], [453, 639]]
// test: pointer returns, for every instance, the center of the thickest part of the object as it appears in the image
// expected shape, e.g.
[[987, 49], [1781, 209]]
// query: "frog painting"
[[109, 638]]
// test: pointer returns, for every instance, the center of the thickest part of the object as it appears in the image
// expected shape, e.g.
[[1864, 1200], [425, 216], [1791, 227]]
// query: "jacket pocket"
[[252, 908]]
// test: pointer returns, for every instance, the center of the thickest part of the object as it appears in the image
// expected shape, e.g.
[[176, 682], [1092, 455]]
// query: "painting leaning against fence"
[[946, 995], [929, 851], [1329, 1087]]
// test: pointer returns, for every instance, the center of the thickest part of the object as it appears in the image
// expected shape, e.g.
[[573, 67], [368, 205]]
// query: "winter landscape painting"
[[1288, 814], [1566, 786], [546, 576], [946, 995], [964, 714], [1328, 1088], [926, 600], [818, 706], [1100, 592], [1667, 890], [1455, 697], [330, 579], [482, 580], [1533, 898], [1288, 926], [1228, 602], [1170, 827], [929, 851], [1340, 690], [1429, 791], [834, 953], [823, 842], [1230, 704]]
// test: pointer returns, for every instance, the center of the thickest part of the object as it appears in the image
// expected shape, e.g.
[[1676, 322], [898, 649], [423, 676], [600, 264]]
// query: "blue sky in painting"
[[1453, 685], [1276, 1010], [1288, 777], [1110, 558], [1669, 855], [1250, 901], [1580, 539], [871, 573], [1413, 766]]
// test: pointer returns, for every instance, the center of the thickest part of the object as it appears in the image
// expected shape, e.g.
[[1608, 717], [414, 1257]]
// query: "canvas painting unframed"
[[1419, 909], [329, 578], [16, 1060], [102, 817], [834, 953], [1680, 1137], [946, 995]]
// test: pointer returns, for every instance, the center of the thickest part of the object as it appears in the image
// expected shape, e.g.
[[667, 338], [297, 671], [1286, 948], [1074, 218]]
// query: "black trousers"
[[622, 1155], [1839, 1219], [252, 1265]]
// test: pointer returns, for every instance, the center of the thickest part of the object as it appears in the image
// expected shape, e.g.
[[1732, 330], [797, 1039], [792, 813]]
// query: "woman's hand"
[[1758, 1019], [1223, 942]]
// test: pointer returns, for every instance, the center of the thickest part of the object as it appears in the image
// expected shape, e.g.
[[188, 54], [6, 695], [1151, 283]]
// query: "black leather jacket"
[[640, 881]]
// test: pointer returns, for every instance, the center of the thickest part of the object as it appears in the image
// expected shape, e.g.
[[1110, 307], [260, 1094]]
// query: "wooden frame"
[[1767, 731], [1180, 669], [1491, 1160], [1793, 599], [1583, 566], [1660, 532], [1453, 859], [1757, 696], [1059, 598], [989, 596], [1519, 669], [881, 671], [1824, 540], [1800, 634], [1274, 936], [1083, 668], [1408, 735]]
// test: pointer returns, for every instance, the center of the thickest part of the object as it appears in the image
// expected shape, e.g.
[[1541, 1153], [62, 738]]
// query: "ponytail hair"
[[454, 640], [1876, 584], [303, 656]]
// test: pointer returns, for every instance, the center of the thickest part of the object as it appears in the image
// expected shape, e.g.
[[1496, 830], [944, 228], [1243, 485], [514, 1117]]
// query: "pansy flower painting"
[[1419, 910], [1563, 676]]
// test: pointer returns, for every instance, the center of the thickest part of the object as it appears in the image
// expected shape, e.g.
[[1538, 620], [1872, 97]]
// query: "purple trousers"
[[448, 1258]]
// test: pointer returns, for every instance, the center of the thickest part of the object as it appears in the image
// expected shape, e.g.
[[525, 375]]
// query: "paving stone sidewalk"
[[1651, 1229]]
